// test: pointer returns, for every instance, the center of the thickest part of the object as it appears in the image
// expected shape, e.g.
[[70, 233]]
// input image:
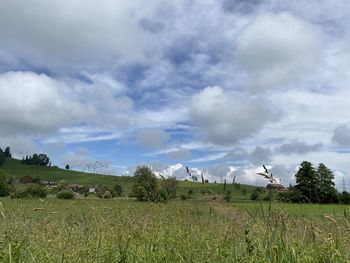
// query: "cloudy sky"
[[221, 86]]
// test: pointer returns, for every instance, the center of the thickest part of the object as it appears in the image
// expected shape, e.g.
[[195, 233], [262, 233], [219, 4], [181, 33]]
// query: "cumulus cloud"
[[341, 135], [226, 118], [35, 103], [278, 50], [298, 148], [64, 34], [152, 137]]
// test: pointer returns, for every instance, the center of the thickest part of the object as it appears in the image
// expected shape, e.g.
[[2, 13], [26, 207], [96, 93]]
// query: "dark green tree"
[[327, 192], [307, 182], [4, 186], [7, 152], [67, 167], [146, 187], [2, 158]]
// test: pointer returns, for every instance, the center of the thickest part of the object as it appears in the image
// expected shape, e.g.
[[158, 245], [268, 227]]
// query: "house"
[[26, 180]]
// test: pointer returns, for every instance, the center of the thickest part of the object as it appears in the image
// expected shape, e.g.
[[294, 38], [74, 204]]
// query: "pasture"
[[123, 230]]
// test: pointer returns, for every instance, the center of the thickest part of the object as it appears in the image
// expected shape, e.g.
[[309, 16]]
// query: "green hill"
[[14, 168]]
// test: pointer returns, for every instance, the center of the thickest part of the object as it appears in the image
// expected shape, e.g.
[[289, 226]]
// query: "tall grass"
[[190, 231]]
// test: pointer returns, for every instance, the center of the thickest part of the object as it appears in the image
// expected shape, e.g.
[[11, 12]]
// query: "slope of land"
[[14, 168]]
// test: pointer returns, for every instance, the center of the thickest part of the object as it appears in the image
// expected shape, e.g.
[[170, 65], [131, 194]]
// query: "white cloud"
[[64, 35], [226, 118], [35, 103], [278, 50]]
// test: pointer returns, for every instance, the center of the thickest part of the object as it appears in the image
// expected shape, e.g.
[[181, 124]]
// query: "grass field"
[[124, 230]]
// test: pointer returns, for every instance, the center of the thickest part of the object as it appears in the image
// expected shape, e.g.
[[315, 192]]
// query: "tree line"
[[313, 185], [37, 159]]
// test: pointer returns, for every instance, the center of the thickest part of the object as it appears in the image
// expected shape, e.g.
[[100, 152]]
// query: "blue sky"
[[220, 86]]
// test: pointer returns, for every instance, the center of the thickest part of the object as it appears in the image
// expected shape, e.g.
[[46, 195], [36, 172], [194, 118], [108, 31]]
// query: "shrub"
[[4, 186], [65, 194], [170, 186], [254, 195], [117, 190], [227, 197], [29, 191], [268, 196], [344, 197], [190, 192], [107, 195], [290, 195], [141, 194], [183, 197]]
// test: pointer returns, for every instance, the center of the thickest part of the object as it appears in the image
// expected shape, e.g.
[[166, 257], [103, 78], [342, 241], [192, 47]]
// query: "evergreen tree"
[[327, 191], [7, 152], [2, 158], [307, 182]]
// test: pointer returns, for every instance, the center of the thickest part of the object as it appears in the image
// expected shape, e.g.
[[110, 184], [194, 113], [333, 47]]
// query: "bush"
[[170, 186], [141, 194], [344, 197], [227, 197], [4, 186], [107, 195], [291, 196], [255, 195], [183, 197], [117, 190], [190, 192], [65, 194], [268, 196], [29, 191]]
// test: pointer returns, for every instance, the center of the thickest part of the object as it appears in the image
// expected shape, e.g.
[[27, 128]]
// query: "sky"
[[220, 86]]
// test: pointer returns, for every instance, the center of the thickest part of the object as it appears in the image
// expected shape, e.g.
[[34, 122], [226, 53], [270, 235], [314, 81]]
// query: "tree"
[[2, 158], [327, 192], [37, 159], [4, 186], [307, 182], [67, 167], [7, 152], [146, 187]]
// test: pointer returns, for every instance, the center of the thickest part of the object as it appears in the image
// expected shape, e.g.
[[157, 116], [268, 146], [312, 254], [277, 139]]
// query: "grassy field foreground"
[[54, 230]]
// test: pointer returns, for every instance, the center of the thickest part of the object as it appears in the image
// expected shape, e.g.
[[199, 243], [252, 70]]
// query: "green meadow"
[[123, 230], [202, 228]]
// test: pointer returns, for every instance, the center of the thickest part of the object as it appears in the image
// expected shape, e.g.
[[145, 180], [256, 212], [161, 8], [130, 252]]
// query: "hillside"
[[14, 168]]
